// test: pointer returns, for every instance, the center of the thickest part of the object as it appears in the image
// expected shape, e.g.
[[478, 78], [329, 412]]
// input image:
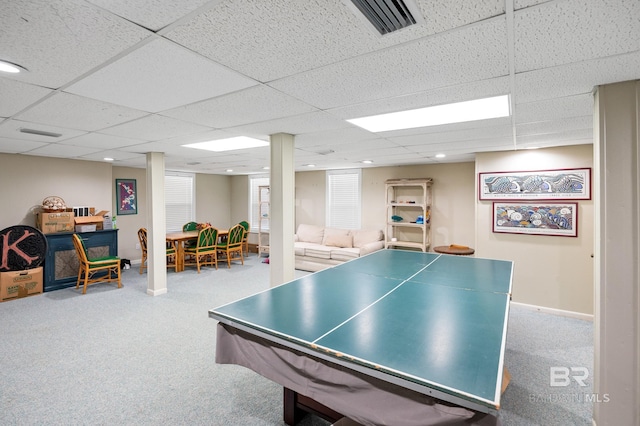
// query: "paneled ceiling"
[[120, 78]]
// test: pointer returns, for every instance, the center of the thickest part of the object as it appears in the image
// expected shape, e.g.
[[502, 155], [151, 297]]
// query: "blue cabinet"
[[61, 262]]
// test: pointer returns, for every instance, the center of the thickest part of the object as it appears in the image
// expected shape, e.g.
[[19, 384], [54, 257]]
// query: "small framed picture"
[[126, 197], [560, 219]]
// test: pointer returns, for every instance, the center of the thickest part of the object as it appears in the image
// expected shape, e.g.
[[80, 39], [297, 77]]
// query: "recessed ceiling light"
[[11, 67], [367, 161], [479, 109], [440, 155], [229, 170], [230, 144], [265, 168], [309, 165], [532, 147], [108, 159]]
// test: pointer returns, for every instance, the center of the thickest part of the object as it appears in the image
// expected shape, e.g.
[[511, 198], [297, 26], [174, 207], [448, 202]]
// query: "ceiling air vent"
[[40, 133], [388, 15]]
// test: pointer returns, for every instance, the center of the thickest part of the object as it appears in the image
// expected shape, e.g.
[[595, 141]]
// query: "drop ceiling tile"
[[555, 143], [77, 112], [466, 137], [578, 78], [549, 109], [559, 138], [349, 134], [116, 155], [62, 151], [11, 129], [469, 127], [458, 93], [257, 103], [59, 40], [100, 140], [369, 145], [155, 127], [377, 154], [152, 14], [295, 124], [17, 95], [158, 76], [556, 125], [14, 146], [521, 4], [285, 46], [137, 162], [598, 29], [464, 55]]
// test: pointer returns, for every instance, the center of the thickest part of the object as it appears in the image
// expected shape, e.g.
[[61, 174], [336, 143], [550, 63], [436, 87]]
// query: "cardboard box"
[[16, 284], [97, 220], [85, 228], [50, 223]]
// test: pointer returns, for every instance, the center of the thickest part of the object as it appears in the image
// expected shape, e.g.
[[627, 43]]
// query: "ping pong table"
[[379, 339]]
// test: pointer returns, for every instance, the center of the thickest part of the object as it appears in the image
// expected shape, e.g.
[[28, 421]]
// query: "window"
[[254, 208], [179, 199], [343, 199]]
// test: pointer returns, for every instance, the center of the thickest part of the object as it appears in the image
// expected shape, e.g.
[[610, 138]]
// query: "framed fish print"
[[560, 219], [563, 184]]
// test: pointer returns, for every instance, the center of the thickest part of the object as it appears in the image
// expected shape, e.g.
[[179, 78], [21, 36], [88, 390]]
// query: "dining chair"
[[190, 226], [245, 239], [170, 249], [142, 237], [232, 247], [101, 269], [204, 252]]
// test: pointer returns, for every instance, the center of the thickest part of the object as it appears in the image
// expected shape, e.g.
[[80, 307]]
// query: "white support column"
[[617, 298], [156, 220], [282, 209]]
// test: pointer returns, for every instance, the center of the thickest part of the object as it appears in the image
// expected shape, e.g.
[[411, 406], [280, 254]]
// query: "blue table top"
[[435, 320]]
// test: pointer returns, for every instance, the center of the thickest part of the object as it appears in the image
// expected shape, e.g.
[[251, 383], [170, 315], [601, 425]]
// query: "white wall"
[[453, 199], [27, 180], [553, 272], [212, 205], [213, 195], [452, 212], [128, 225], [550, 271]]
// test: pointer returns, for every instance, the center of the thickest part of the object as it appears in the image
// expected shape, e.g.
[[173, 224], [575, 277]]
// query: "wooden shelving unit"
[[409, 199], [263, 219]]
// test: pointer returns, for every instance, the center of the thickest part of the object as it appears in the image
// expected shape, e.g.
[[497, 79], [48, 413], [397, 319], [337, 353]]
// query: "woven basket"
[[53, 204]]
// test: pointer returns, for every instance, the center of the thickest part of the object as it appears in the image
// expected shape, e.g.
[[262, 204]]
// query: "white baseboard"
[[156, 292], [561, 312]]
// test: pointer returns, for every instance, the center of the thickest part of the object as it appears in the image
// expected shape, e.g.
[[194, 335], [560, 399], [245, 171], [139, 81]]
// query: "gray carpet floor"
[[121, 357]]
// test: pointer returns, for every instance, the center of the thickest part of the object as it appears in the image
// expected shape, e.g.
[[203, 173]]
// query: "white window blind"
[[179, 199], [343, 199], [255, 210]]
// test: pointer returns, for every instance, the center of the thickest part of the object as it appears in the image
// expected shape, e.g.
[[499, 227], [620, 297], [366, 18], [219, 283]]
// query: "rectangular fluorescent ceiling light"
[[230, 144], [479, 109]]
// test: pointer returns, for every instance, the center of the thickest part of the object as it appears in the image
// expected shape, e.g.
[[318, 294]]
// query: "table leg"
[[179, 256], [296, 406]]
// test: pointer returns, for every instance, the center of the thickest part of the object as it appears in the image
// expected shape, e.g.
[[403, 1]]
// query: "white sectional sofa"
[[317, 247]]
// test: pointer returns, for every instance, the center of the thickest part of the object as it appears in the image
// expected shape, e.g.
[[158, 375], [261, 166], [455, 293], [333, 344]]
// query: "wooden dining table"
[[178, 239]]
